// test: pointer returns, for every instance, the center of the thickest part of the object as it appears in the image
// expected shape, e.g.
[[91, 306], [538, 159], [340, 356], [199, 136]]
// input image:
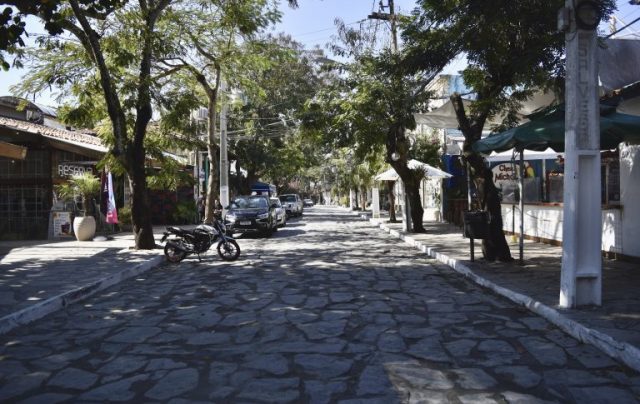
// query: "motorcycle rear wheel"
[[173, 254], [228, 250]]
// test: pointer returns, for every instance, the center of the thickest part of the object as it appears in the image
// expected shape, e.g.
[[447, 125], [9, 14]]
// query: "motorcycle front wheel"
[[228, 250], [173, 254]]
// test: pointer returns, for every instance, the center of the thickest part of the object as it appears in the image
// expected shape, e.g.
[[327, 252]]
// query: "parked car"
[[293, 204], [281, 212], [307, 202], [251, 214]]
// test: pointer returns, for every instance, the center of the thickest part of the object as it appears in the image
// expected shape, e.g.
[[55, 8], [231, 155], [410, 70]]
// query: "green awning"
[[546, 129]]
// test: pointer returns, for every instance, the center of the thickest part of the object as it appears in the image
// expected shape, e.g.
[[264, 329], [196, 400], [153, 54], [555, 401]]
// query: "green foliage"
[[272, 146], [185, 212], [124, 216], [512, 47], [426, 149]]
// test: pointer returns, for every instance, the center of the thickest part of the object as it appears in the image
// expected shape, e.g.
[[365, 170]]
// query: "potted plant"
[[86, 187]]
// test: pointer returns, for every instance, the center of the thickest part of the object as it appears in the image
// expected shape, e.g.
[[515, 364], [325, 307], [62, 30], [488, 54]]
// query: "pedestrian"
[[217, 209], [201, 204]]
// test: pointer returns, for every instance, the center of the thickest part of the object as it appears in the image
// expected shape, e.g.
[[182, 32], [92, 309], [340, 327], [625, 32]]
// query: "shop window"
[[611, 184], [610, 179], [36, 165], [555, 186], [23, 212]]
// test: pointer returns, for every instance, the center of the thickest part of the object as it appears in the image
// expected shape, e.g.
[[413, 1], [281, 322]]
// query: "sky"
[[312, 23]]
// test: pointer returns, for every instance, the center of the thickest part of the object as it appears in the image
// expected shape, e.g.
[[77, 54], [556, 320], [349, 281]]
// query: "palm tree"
[[86, 186]]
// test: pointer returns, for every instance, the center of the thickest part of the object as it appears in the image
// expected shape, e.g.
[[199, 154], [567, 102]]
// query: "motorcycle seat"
[[178, 231]]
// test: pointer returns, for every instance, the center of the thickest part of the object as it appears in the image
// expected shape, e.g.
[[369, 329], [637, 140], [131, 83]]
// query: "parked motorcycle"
[[198, 241]]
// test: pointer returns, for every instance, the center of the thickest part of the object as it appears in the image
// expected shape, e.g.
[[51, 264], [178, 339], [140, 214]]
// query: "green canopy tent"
[[547, 129]]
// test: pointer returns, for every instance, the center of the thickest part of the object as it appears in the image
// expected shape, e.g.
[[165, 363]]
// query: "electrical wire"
[[623, 28], [325, 29]]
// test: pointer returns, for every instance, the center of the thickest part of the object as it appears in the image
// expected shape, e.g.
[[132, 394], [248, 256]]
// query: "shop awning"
[[445, 116], [429, 171], [547, 130], [508, 155]]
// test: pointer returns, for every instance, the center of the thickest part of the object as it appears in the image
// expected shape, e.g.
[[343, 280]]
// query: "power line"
[[621, 29], [325, 29]]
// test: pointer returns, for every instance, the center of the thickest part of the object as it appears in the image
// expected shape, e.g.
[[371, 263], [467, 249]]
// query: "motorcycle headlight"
[[263, 215]]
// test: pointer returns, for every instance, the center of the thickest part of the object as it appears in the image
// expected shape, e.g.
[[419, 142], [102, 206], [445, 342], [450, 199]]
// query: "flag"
[[104, 193], [112, 213]]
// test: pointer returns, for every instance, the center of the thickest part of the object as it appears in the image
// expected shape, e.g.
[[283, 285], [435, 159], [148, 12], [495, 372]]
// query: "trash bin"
[[476, 224]]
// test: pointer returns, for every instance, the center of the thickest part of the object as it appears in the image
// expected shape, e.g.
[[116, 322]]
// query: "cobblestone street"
[[326, 310]]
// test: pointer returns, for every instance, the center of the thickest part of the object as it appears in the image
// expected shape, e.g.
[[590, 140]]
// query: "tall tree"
[[120, 40], [513, 48], [212, 43], [269, 143]]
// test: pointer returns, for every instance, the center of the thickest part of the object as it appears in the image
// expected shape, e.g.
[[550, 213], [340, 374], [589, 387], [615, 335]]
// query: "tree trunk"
[[417, 211], [363, 198], [392, 201], [212, 150], [411, 182], [495, 245], [140, 208], [140, 211], [252, 178]]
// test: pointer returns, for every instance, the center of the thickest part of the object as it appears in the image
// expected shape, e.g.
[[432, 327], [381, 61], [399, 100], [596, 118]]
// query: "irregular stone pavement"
[[325, 311]]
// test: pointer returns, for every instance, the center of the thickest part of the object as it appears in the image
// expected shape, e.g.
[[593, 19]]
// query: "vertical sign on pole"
[[581, 278]]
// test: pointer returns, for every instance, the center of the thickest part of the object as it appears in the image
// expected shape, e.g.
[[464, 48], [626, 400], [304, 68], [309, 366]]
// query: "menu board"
[[61, 224]]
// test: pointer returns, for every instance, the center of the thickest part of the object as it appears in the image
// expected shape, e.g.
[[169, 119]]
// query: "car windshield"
[[288, 198], [249, 202], [276, 201]]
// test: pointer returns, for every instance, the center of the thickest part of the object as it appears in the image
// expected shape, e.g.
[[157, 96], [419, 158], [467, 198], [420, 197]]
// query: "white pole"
[[521, 206], [224, 160], [375, 202], [581, 277]]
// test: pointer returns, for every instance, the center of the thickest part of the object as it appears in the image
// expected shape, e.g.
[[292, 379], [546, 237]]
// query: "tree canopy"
[[513, 48]]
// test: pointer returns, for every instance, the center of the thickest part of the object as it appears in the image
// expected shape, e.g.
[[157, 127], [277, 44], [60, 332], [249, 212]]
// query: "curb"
[[622, 351], [55, 303]]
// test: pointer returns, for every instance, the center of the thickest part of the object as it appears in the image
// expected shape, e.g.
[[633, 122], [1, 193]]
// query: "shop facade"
[[52, 155]]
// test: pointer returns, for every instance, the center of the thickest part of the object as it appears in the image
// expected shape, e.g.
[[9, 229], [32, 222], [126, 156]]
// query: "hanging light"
[[587, 14]]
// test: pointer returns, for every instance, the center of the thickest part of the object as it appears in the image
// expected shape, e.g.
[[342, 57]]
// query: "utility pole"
[[581, 275], [224, 160], [391, 17]]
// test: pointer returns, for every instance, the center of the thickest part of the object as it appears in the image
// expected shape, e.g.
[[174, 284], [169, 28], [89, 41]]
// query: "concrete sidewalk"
[[614, 327], [40, 277]]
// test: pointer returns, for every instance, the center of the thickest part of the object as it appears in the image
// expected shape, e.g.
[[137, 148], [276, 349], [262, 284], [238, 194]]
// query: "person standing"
[[201, 204]]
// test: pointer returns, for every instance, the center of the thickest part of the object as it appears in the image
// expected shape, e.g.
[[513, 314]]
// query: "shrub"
[[185, 212], [124, 216]]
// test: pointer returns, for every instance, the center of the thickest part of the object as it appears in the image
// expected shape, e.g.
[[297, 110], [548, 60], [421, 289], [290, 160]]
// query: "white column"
[[352, 199], [521, 206], [581, 278], [375, 202], [224, 160]]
